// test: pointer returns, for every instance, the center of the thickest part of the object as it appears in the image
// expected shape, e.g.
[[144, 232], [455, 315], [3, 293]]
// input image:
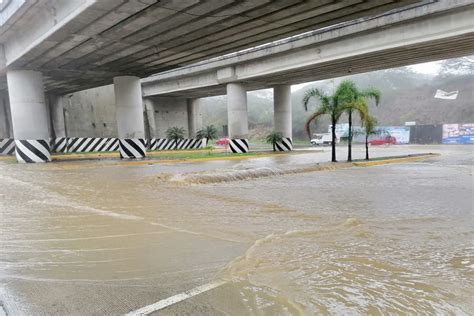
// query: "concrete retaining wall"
[[169, 112], [91, 113]]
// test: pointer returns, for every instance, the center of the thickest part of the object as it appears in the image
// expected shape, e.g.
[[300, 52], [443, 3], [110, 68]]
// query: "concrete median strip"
[[146, 310], [389, 160]]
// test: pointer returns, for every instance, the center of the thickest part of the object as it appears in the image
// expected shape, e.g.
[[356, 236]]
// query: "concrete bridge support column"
[[282, 116], [58, 133], [237, 118], [7, 143], [130, 124], [56, 108], [29, 116], [194, 117], [150, 124], [5, 117]]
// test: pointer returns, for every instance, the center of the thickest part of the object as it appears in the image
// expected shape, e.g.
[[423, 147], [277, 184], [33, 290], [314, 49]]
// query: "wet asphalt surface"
[[105, 237]]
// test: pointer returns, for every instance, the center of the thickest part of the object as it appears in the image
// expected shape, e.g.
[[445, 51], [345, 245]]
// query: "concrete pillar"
[[5, 121], [194, 117], [237, 118], [58, 133], [150, 117], [29, 116], [56, 104], [282, 116], [130, 124], [7, 144]]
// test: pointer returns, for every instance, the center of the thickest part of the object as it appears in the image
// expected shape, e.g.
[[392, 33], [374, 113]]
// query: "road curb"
[[394, 160]]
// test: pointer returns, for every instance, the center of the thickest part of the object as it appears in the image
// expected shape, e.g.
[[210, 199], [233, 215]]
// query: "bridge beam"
[[237, 117], [130, 123], [29, 116], [282, 116]]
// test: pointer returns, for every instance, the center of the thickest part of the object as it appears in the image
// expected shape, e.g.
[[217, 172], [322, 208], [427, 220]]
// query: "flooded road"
[[103, 237]]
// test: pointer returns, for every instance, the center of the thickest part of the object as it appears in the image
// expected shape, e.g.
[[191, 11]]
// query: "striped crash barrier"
[[84, 144], [286, 144], [168, 144], [7, 146], [40, 150], [32, 150], [132, 148], [239, 145]]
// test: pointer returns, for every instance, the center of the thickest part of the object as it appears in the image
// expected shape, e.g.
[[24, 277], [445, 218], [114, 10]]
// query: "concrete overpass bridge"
[[416, 34], [423, 33], [60, 47]]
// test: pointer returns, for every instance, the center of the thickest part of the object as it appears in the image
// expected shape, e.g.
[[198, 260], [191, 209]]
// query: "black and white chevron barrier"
[[7, 146], [132, 148], [286, 144], [168, 144], [191, 143], [59, 145], [239, 145], [32, 150], [161, 144], [86, 144]]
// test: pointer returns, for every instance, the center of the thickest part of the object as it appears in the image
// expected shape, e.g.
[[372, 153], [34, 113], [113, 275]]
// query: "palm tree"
[[333, 105], [208, 133], [176, 134], [274, 138], [370, 124], [356, 100]]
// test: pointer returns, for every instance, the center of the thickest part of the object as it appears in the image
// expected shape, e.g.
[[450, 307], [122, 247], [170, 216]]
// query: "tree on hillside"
[[355, 100], [458, 66], [176, 134]]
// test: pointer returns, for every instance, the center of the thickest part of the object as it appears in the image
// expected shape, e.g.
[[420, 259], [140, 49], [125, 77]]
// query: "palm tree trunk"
[[349, 140], [333, 142], [273, 146], [366, 147]]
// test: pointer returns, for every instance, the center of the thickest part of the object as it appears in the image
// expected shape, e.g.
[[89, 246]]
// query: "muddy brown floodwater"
[[103, 237]]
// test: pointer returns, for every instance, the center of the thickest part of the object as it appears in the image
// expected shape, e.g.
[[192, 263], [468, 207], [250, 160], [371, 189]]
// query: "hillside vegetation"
[[406, 96]]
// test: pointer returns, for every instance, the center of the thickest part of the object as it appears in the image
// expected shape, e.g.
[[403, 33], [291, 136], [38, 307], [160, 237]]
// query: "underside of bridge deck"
[[142, 37]]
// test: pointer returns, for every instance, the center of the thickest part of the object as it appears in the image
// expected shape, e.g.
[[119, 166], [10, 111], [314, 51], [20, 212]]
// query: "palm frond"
[[209, 132], [175, 133], [314, 93], [372, 93], [274, 137], [347, 89], [360, 106]]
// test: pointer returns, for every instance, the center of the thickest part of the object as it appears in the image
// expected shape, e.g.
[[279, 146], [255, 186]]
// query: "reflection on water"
[[392, 239]]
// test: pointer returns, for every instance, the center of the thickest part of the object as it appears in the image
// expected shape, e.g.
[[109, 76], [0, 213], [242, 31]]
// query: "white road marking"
[[175, 299]]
